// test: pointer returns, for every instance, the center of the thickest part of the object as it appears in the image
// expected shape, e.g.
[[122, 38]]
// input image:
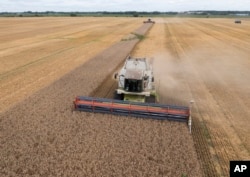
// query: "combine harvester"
[[149, 21], [137, 96]]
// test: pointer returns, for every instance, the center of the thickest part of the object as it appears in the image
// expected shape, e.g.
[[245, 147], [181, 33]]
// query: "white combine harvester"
[[136, 88], [136, 81]]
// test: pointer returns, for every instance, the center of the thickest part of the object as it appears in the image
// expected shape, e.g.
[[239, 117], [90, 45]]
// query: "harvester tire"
[[118, 96], [150, 99]]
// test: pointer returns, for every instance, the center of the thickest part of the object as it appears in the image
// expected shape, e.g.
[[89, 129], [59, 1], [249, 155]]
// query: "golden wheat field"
[[46, 62]]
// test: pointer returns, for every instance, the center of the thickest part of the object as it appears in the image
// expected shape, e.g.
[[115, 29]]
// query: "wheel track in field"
[[201, 140], [222, 112], [221, 148], [216, 141]]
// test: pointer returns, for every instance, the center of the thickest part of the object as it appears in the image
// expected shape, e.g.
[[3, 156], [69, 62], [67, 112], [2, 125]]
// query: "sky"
[[121, 5]]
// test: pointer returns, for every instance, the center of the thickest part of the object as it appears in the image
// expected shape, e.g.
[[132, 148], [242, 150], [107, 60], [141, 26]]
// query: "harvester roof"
[[134, 74], [136, 64]]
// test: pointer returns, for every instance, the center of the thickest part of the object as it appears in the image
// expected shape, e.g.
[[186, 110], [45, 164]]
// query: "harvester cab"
[[135, 80]]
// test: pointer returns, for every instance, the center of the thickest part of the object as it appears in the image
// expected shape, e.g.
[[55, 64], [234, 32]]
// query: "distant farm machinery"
[[237, 21], [149, 21], [135, 86]]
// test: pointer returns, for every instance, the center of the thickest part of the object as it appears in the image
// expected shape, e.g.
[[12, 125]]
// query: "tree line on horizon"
[[125, 13]]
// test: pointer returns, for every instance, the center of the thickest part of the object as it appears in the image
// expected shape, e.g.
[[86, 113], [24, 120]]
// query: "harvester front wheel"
[[151, 99], [119, 96]]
